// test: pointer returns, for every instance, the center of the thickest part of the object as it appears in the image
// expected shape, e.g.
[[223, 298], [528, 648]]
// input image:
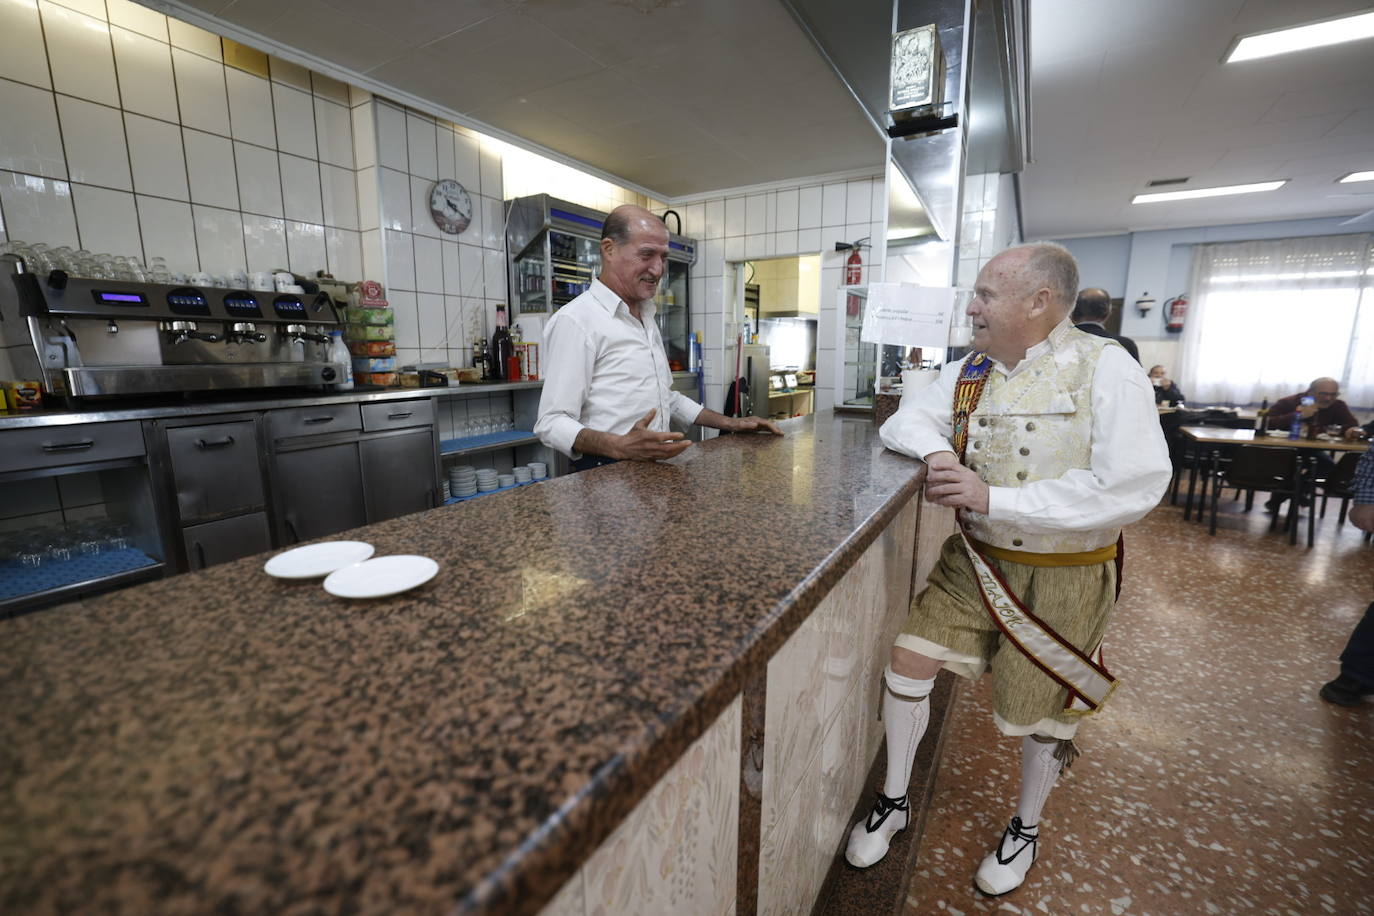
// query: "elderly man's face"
[[633, 270], [1325, 393], [1000, 310]]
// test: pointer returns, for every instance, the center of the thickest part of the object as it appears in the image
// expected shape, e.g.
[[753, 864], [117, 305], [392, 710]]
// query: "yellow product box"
[[23, 395]]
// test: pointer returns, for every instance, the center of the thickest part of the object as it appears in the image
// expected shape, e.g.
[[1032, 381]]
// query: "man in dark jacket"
[[1090, 313]]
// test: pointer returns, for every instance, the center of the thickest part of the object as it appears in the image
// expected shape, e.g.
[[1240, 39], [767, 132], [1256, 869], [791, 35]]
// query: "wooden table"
[[1221, 438]]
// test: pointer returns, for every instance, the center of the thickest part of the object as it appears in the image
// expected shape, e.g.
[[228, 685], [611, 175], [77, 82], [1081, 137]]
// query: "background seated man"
[[1165, 389], [1329, 410]]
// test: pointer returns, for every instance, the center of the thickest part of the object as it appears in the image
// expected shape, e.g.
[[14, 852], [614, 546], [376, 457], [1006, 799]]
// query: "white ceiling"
[[1125, 91], [676, 96]]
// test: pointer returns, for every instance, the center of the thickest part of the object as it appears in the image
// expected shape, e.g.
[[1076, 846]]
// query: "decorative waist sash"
[[1087, 680]]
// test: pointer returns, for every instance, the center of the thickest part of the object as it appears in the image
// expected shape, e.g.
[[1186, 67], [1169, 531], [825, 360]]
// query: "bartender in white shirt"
[[607, 388]]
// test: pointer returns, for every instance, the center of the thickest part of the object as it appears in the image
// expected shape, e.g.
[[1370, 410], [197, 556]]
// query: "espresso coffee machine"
[[91, 338]]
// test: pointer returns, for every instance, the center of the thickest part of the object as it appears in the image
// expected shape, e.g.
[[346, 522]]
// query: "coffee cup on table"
[[261, 280]]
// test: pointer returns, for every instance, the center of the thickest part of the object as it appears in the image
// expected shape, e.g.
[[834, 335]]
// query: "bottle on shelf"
[[502, 348], [338, 353], [479, 358], [1262, 417]]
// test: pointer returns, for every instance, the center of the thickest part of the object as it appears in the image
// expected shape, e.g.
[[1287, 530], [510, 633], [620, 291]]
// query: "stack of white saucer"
[[486, 480], [523, 474], [505, 480], [462, 480], [539, 470]]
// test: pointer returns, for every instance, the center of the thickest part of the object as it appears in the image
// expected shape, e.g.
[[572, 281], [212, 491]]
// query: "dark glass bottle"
[[502, 349], [1262, 418]]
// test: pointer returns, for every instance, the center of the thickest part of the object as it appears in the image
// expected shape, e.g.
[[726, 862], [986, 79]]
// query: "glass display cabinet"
[[860, 373], [555, 253]]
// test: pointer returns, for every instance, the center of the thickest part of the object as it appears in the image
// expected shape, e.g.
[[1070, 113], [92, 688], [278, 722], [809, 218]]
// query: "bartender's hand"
[[1362, 516], [949, 483], [1354, 432], [644, 444], [753, 424]]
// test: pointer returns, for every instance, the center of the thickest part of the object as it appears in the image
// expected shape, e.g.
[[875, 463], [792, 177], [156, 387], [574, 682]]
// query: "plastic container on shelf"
[[338, 353]]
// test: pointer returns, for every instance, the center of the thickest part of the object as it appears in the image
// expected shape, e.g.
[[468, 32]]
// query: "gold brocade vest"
[[1037, 425]]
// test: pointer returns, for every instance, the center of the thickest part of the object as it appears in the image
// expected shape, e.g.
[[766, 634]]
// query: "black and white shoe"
[[1005, 868], [870, 838]]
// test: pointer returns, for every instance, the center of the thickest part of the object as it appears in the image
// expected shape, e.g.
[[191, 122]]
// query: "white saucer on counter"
[[381, 577], [316, 560]]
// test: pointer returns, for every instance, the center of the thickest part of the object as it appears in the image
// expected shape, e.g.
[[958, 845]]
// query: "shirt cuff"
[[686, 410], [1001, 504], [560, 434]]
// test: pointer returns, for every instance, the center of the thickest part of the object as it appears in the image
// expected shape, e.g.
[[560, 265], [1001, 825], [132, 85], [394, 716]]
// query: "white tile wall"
[[146, 84], [21, 45], [210, 164], [168, 232], [201, 92], [250, 108], [109, 218], [259, 179], [295, 116], [37, 148], [79, 53], [300, 183], [157, 157], [93, 136]]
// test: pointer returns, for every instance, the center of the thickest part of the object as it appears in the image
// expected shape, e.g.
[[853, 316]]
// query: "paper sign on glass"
[[907, 315]]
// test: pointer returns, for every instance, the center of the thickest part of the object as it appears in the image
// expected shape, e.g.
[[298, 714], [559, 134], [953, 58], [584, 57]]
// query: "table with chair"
[[1285, 468]]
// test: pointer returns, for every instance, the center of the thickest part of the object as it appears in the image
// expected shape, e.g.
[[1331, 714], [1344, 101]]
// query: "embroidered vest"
[[1037, 425]]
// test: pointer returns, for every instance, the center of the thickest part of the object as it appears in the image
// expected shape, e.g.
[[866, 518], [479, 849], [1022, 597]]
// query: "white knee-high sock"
[[1039, 772], [906, 712]]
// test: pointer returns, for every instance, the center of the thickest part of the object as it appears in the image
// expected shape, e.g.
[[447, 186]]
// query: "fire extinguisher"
[[854, 268], [1175, 310]]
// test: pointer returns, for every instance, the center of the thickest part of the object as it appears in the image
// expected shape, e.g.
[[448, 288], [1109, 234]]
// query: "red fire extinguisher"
[[1175, 310], [854, 268]]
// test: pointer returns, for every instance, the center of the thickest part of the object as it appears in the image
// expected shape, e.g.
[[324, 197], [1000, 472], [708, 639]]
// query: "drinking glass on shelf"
[[157, 271]]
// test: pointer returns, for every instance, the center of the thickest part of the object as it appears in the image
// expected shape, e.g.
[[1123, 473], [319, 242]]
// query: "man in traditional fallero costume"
[[1046, 440]]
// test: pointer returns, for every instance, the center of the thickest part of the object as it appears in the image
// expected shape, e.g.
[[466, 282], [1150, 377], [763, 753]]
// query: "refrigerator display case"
[[555, 253], [860, 374]]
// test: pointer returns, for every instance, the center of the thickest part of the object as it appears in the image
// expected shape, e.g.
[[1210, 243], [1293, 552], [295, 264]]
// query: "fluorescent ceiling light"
[[1209, 192], [1303, 37], [1358, 176]]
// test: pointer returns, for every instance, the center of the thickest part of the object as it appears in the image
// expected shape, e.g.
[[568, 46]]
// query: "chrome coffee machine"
[[104, 338]]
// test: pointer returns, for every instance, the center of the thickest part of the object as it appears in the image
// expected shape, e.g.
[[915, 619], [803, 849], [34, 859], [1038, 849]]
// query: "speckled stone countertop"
[[225, 741]]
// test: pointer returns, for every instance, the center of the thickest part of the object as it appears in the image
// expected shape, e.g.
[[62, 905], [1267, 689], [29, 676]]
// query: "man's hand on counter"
[[639, 444], [949, 483], [751, 425]]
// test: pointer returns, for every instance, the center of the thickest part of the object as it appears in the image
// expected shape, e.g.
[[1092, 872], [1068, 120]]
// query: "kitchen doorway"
[[781, 312]]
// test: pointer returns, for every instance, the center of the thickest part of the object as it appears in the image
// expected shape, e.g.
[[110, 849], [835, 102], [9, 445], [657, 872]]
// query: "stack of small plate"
[[462, 481], [539, 470], [486, 480], [505, 480], [523, 474]]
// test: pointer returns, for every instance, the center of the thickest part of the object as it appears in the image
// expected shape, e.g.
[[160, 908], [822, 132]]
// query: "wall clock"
[[450, 206]]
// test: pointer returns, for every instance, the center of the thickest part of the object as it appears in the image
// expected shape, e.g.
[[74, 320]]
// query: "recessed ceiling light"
[[1161, 182], [1358, 176], [1302, 37], [1209, 192]]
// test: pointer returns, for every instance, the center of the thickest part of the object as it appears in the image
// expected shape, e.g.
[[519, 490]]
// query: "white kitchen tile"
[[264, 238], [809, 208], [219, 239], [343, 247], [404, 305], [787, 243], [474, 325], [490, 157], [421, 146], [756, 246], [754, 220], [453, 285], [300, 189], [374, 262], [210, 164], [808, 241], [38, 209], [391, 137], [79, 54], [22, 54], [493, 223], [94, 8], [734, 248], [184, 35], [858, 201], [37, 149], [878, 207], [693, 220], [328, 88], [735, 211], [855, 232], [715, 218], [395, 199], [305, 247], [467, 167], [334, 133], [433, 320], [155, 151], [137, 18], [250, 108], [470, 270], [422, 222], [93, 136], [369, 209], [494, 274], [259, 180], [295, 115], [400, 260], [168, 233], [146, 84], [445, 163], [834, 203], [107, 220], [476, 231], [357, 96], [454, 329], [787, 203], [364, 135], [201, 93], [711, 260], [294, 75], [429, 265], [339, 190]]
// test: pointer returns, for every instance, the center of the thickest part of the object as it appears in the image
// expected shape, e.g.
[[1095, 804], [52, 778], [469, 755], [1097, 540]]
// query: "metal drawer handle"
[[313, 420], [70, 446], [399, 416], [227, 440]]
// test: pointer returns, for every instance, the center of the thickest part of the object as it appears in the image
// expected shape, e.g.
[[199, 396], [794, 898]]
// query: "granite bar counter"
[[560, 698]]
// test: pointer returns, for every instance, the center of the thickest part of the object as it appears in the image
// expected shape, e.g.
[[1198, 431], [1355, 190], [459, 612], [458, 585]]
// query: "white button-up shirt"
[[604, 370]]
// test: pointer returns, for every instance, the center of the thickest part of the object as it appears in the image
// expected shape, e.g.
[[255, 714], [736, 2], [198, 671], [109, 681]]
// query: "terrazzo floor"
[[1216, 781]]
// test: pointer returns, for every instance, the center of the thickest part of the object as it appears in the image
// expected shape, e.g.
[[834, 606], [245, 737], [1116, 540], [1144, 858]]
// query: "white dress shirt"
[[1130, 465], [604, 370]]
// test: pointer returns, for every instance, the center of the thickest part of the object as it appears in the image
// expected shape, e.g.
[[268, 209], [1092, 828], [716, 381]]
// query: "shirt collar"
[[1052, 342], [605, 297]]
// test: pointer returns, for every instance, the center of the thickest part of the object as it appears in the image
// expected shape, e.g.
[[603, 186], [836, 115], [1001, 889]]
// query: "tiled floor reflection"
[[1216, 781]]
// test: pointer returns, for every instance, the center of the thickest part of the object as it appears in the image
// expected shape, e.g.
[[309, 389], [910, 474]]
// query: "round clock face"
[[450, 206]]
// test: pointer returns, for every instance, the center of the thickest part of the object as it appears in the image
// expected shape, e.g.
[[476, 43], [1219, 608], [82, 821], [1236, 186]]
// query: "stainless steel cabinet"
[[227, 539], [215, 469], [398, 473], [318, 489]]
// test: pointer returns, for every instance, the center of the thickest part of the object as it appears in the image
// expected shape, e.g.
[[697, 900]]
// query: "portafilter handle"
[[298, 333], [245, 332], [183, 331]]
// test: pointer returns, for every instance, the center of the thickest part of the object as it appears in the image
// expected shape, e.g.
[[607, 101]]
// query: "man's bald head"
[[623, 220], [1094, 304]]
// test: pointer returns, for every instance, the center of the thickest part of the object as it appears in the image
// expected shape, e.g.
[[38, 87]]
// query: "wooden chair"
[[1339, 484], [1275, 470]]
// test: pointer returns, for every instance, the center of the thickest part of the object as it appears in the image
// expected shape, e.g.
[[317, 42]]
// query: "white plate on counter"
[[316, 560], [381, 577]]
